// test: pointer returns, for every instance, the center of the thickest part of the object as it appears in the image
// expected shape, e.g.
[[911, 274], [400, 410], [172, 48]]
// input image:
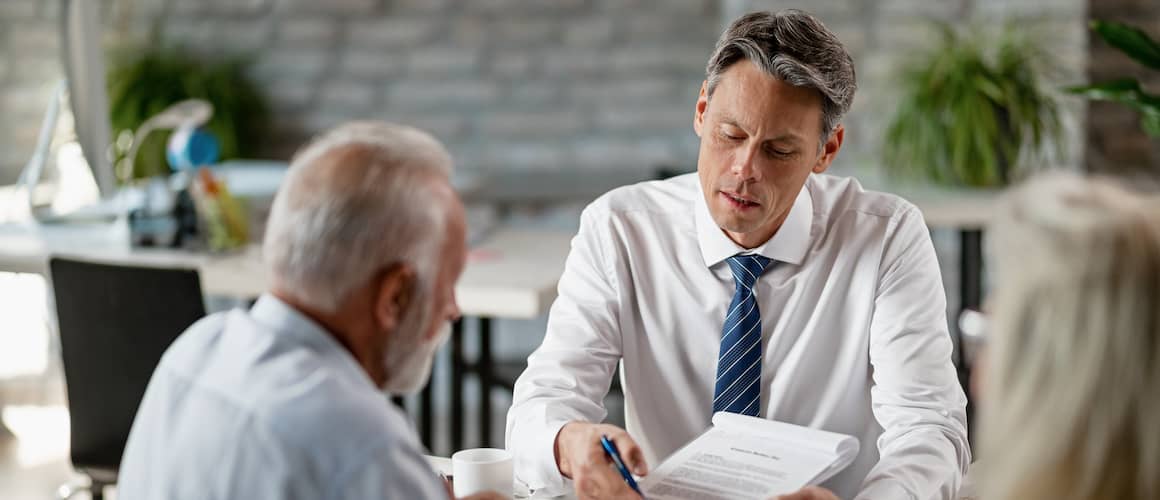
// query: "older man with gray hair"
[[757, 285], [365, 242]]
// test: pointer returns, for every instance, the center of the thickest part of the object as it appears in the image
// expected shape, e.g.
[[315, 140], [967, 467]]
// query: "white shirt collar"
[[294, 326], [789, 244]]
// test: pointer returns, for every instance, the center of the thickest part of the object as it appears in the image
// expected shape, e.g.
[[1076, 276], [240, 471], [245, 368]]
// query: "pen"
[[610, 450]]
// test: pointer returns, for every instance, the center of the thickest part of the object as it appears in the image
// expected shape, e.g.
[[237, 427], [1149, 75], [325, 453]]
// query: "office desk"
[[968, 491], [511, 274]]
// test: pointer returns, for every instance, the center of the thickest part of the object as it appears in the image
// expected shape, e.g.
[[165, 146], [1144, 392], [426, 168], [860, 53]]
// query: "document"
[[743, 457]]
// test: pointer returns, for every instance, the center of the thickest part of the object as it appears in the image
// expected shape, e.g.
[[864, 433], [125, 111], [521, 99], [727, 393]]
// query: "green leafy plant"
[[1127, 91], [145, 82], [973, 110]]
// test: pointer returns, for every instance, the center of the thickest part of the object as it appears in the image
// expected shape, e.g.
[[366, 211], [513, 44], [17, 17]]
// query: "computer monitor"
[[84, 68]]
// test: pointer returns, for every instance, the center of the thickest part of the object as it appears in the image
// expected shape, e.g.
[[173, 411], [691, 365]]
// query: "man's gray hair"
[[356, 200], [794, 47]]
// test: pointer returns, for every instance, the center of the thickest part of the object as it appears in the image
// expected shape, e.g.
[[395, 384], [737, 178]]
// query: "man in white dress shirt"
[[364, 244], [759, 286]]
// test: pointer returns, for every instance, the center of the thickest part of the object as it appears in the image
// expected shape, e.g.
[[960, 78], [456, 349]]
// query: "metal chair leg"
[[458, 370], [70, 489], [484, 368]]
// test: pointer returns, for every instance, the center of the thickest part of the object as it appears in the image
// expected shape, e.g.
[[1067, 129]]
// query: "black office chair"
[[115, 322]]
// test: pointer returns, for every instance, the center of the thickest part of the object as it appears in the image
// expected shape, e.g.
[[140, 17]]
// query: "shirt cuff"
[[540, 472]]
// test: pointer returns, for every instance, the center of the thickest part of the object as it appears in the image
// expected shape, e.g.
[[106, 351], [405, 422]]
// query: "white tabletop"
[[512, 274], [941, 206], [955, 209]]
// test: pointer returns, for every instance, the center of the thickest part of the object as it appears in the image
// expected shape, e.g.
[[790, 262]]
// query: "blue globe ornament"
[[190, 147]]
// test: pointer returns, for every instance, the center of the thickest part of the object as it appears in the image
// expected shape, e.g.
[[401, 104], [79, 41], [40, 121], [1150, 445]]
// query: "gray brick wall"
[[505, 83], [542, 84], [882, 35], [30, 52], [539, 84]]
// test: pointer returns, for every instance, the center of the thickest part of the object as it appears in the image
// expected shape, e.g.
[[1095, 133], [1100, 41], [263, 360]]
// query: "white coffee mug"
[[482, 469]]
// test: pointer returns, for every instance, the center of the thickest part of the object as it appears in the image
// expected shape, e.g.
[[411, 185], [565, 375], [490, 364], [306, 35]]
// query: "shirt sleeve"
[[916, 395], [390, 472], [569, 374]]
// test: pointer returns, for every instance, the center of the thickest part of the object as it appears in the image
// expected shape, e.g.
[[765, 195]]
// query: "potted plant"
[[1128, 91], [143, 82], [974, 110]]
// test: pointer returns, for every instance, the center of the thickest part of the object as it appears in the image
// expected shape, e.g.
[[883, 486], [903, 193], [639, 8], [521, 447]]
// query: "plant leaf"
[[1151, 123], [972, 108], [1132, 41], [1108, 91], [1125, 91]]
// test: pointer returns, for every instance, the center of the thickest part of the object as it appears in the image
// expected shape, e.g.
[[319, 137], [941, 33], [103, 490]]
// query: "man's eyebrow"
[[730, 121], [788, 138]]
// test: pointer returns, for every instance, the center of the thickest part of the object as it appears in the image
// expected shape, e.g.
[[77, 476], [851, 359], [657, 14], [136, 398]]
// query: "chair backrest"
[[115, 323]]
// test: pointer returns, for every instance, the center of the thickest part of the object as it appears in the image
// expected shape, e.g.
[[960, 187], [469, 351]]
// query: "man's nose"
[[744, 163]]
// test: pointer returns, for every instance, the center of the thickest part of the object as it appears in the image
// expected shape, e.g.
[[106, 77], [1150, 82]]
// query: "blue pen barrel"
[[618, 461]]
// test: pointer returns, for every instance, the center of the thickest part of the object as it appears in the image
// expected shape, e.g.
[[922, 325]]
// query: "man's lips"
[[739, 200]]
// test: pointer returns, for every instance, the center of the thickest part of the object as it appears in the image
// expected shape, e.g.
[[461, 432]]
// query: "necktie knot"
[[746, 268]]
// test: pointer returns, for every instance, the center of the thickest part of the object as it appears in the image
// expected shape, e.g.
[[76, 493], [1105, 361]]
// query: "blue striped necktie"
[[738, 388]]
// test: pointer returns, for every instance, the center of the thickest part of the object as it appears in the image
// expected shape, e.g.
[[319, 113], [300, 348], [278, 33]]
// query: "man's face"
[[759, 142], [452, 259], [408, 362]]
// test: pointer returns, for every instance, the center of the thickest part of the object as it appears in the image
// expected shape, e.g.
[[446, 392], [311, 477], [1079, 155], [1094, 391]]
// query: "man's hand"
[[810, 493], [580, 456]]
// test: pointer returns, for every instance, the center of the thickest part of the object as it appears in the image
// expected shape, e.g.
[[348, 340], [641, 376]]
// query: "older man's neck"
[[345, 325]]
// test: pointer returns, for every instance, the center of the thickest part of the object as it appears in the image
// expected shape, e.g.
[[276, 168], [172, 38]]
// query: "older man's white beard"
[[409, 366]]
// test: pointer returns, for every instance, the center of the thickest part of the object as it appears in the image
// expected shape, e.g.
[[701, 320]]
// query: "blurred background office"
[[544, 104]]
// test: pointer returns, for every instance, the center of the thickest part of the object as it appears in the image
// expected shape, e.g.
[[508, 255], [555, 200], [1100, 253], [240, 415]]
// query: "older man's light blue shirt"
[[266, 404]]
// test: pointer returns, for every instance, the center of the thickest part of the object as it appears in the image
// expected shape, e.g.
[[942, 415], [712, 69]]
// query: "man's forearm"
[[923, 464]]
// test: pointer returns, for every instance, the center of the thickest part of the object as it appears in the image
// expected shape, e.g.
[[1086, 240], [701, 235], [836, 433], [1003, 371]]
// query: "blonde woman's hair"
[[1071, 407]]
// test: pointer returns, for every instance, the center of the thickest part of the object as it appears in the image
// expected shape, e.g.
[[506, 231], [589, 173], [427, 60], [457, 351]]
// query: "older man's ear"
[[396, 286]]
